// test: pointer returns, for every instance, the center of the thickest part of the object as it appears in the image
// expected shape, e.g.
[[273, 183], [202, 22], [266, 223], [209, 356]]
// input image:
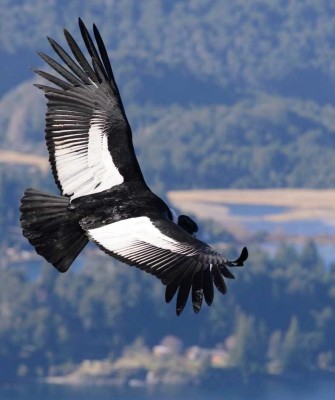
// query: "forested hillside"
[[231, 94], [220, 94], [276, 318]]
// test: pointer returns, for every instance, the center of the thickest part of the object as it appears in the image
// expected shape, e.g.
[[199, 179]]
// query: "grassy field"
[[14, 157]]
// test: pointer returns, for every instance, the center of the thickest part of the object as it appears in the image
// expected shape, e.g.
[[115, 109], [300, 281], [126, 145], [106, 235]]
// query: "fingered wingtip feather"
[[225, 272], [196, 309], [91, 47], [39, 86], [197, 289], [53, 43], [76, 51], [170, 292], [218, 280], [41, 54], [208, 286], [183, 293], [197, 297], [67, 34], [179, 311], [82, 26]]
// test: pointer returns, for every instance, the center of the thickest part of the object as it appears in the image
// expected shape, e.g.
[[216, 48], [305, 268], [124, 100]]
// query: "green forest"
[[218, 93], [278, 313]]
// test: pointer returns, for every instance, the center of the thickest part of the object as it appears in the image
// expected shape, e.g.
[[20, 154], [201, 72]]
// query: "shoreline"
[[223, 375]]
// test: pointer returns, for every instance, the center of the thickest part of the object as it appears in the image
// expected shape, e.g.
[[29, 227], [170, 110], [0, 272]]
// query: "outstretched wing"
[[87, 132], [165, 250]]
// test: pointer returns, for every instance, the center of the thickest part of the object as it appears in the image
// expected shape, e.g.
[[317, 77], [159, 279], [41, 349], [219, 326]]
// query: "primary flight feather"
[[104, 196]]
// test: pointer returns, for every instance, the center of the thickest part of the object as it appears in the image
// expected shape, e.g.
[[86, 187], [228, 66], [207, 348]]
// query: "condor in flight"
[[104, 196]]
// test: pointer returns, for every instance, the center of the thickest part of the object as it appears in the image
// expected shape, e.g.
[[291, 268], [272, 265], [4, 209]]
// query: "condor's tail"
[[51, 228]]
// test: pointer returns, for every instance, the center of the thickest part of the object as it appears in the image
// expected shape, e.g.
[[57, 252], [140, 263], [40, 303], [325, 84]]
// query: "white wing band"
[[85, 167], [123, 234]]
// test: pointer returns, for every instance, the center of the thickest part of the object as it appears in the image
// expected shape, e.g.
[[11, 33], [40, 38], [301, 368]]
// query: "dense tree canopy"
[[99, 310]]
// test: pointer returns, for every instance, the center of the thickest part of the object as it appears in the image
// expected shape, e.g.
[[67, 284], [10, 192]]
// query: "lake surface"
[[255, 210], [267, 389]]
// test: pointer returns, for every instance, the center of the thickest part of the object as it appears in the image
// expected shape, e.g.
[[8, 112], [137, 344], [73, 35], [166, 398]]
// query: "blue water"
[[254, 210], [268, 389]]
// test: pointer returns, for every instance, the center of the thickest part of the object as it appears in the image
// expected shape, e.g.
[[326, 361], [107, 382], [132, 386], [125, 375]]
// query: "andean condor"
[[104, 196]]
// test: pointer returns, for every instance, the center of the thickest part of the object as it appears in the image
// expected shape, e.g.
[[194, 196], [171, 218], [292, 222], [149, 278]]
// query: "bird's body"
[[129, 200], [105, 198]]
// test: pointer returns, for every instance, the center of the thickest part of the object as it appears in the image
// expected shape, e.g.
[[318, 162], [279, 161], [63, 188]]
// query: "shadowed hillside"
[[219, 94]]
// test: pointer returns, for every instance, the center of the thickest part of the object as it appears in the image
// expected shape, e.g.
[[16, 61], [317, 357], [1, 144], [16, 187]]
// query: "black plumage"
[[104, 197]]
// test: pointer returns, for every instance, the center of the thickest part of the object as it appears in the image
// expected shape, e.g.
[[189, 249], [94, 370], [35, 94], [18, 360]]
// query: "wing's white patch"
[[130, 238], [85, 166]]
